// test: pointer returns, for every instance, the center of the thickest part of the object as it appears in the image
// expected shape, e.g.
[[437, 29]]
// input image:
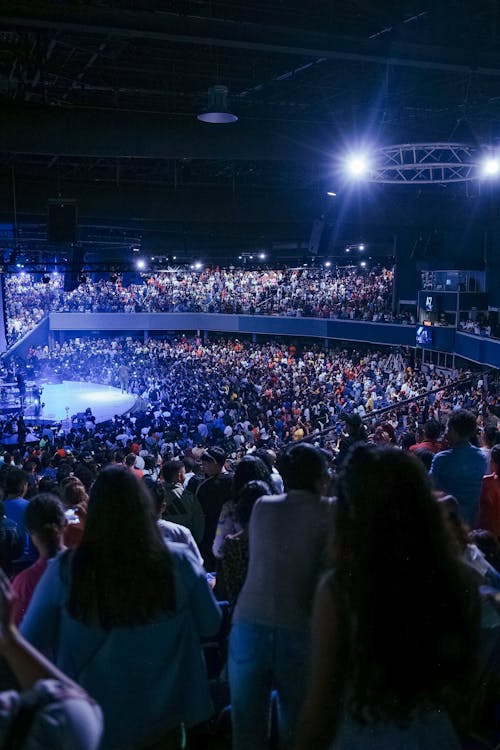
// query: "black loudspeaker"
[[61, 221]]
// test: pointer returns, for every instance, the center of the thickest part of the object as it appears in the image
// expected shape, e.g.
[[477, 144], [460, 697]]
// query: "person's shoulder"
[[16, 501], [185, 562], [224, 477], [7, 524], [442, 455], [181, 554], [177, 531], [265, 500]]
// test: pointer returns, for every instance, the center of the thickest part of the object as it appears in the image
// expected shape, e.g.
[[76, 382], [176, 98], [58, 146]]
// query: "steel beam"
[[171, 27]]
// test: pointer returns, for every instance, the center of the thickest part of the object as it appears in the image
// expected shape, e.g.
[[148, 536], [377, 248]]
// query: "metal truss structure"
[[425, 163]]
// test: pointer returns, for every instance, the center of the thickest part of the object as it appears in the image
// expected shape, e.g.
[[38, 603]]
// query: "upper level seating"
[[345, 292]]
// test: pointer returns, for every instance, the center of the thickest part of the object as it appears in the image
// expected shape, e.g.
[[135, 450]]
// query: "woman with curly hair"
[[396, 621]]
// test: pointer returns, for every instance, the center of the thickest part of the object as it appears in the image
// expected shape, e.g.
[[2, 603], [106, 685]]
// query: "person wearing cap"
[[212, 493]]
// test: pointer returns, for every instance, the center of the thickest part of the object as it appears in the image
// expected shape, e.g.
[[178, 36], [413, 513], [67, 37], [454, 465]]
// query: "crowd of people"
[[237, 393], [197, 558], [350, 293], [140, 572]]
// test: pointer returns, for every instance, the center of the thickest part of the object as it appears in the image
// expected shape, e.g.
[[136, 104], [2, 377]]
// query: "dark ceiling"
[[99, 104]]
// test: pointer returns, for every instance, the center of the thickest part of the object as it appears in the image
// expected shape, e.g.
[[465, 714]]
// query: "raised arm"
[[27, 664]]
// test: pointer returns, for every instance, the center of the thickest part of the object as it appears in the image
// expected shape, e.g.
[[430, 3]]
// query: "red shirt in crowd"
[[489, 504], [24, 585], [431, 445]]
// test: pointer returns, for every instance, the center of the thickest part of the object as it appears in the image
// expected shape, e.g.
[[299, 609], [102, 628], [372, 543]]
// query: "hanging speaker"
[[315, 238], [61, 220]]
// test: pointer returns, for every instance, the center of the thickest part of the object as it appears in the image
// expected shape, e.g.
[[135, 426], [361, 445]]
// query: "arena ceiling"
[[99, 102]]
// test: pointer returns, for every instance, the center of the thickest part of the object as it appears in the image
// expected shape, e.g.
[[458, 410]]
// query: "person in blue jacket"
[[123, 615]]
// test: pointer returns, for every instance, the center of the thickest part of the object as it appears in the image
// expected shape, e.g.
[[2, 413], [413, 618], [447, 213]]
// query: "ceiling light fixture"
[[217, 110]]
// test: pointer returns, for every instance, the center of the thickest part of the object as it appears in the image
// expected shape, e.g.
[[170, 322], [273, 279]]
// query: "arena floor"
[[104, 400]]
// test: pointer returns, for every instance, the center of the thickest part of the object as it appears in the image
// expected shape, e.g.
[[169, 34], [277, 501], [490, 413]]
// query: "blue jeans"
[[263, 658]]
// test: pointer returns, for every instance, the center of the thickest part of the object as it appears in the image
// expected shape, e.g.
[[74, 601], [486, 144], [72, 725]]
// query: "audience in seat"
[[396, 621], [123, 614], [341, 292], [269, 641]]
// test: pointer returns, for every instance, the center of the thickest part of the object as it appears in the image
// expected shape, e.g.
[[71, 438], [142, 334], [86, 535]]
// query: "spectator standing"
[[356, 433], [269, 639], [459, 471], [15, 504], [171, 532], [431, 442], [212, 493], [11, 542], [182, 507], [233, 566], [251, 467], [123, 614], [383, 674], [45, 521]]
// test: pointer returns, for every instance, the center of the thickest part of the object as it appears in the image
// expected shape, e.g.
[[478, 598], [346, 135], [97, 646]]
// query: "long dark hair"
[[122, 572], [410, 613]]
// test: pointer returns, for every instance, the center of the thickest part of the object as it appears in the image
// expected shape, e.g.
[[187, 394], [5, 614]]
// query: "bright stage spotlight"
[[141, 264], [490, 166], [327, 264], [357, 165]]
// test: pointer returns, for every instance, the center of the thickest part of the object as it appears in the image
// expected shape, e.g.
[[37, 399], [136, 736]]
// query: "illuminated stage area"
[[104, 400]]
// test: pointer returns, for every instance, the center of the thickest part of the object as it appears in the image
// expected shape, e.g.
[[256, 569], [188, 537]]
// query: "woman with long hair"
[[123, 614], [395, 623]]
